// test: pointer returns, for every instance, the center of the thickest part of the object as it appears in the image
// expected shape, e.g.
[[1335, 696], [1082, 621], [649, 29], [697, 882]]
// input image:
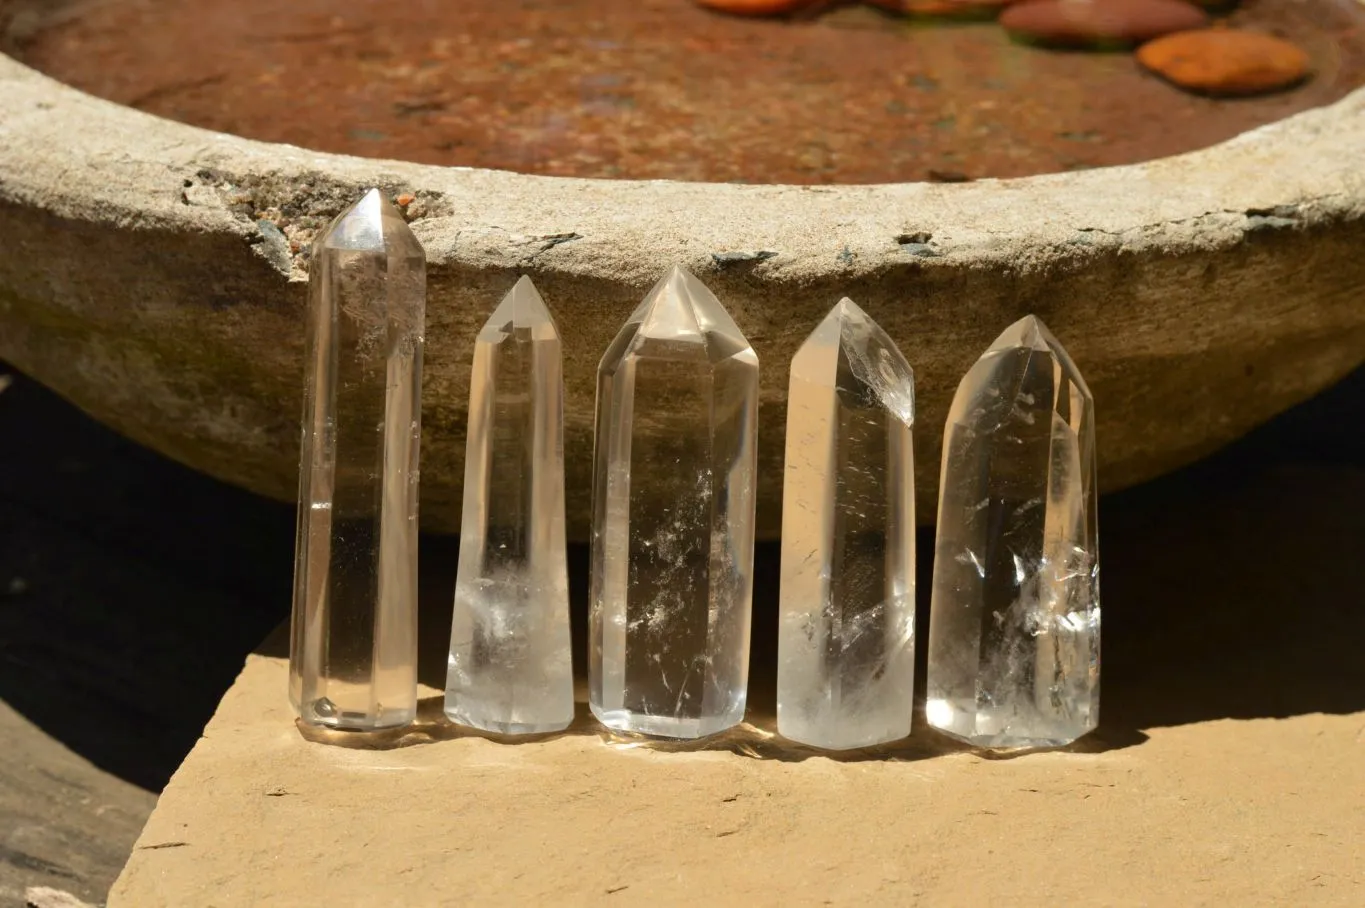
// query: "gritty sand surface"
[[1229, 768], [1256, 812]]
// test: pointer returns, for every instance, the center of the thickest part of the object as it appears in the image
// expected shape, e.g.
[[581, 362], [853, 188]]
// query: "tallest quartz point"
[[353, 652], [1014, 631], [673, 517]]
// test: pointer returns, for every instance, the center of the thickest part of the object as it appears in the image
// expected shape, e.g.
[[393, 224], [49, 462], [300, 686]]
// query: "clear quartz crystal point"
[[673, 517], [846, 645], [510, 668], [1014, 632], [353, 648]]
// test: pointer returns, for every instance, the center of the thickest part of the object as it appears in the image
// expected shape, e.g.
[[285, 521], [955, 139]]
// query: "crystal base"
[[324, 714], [486, 723], [687, 728], [814, 730], [992, 731]]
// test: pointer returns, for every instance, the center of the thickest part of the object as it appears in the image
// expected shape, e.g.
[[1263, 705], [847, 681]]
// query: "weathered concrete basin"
[[143, 276]]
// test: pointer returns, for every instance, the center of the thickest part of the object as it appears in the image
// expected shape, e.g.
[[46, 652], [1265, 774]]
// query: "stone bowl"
[[143, 277]]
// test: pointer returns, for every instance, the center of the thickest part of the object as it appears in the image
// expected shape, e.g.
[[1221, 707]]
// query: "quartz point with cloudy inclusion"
[[673, 517], [510, 668], [846, 645], [353, 647], [1014, 632]]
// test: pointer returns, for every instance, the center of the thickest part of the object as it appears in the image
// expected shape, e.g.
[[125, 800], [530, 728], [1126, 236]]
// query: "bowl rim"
[[126, 168]]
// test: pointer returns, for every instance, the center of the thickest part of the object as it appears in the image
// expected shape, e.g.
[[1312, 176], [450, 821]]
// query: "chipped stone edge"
[[1139, 248], [129, 170]]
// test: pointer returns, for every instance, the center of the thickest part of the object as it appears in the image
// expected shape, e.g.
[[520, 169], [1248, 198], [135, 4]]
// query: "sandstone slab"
[[1226, 770], [257, 815]]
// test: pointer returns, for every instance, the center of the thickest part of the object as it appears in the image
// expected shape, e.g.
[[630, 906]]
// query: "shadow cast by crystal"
[[757, 739], [1102, 740], [761, 742], [1207, 576]]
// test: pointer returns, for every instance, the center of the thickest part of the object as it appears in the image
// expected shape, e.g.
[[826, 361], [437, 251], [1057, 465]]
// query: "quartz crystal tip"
[[681, 310], [846, 644], [1029, 333], [1014, 633], [850, 351], [371, 224], [673, 517], [510, 667], [521, 309]]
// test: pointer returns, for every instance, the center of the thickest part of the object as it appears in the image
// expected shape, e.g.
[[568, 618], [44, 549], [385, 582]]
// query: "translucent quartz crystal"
[[1014, 633], [673, 517], [846, 645], [510, 667], [353, 653]]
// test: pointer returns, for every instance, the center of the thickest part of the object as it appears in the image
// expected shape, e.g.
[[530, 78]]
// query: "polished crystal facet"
[[510, 668], [673, 517], [846, 646], [353, 653], [1014, 632]]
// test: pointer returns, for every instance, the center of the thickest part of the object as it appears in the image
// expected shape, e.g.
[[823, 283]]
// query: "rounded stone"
[[1099, 23], [755, 7], [155, 274], [947, 9], [1226, 62]]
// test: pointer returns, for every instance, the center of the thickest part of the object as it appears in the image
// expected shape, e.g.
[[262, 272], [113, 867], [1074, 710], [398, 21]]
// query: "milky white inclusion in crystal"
[[1014, 632], [353, 652], [673, 517], [846, 645], [510, 668]]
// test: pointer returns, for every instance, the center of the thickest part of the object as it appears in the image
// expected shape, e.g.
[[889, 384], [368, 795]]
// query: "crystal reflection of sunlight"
[[939, 713]]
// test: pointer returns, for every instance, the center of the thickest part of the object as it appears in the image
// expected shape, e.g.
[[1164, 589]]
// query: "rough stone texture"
[[664, 90], [1227, 769], [256, 815], [142, 277]]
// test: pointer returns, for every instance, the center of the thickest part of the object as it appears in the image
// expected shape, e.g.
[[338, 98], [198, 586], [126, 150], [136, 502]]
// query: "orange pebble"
[[1224, 61]]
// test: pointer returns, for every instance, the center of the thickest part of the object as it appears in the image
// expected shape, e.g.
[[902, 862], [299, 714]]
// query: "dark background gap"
[[131, 588]]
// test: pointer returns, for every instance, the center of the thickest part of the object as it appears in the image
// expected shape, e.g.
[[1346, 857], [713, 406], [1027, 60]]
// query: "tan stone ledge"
[[1229, 767], [257, 815]]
